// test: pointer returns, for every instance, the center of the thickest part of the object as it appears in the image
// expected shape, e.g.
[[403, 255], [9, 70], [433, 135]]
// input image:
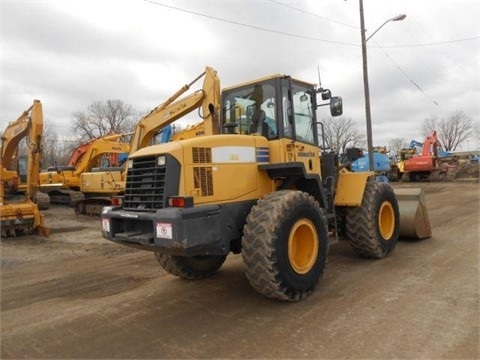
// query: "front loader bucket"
[[414, 221]]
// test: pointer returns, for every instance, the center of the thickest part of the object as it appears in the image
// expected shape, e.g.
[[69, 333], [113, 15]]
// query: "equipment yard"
[[76, 295]]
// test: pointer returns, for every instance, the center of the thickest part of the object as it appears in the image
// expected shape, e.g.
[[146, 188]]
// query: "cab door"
[[300, 126]]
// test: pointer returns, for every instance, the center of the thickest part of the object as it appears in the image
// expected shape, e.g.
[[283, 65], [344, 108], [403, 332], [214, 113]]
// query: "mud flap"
[[414, 221]]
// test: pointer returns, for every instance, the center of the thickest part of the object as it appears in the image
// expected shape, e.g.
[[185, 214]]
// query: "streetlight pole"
[[368, 114]]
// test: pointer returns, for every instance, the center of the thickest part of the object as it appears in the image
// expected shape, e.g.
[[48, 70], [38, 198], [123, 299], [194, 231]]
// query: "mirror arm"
[[318, 105]]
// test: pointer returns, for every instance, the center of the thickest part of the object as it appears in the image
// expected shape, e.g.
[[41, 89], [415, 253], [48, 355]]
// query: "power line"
[[304, 36], [430, 44], [408, 77], [251, 26], [316, 15]]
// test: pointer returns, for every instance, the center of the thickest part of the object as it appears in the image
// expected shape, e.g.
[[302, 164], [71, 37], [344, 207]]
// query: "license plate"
[[164, 231]]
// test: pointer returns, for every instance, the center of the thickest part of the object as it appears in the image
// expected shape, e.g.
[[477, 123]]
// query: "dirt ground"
[[75, 295]]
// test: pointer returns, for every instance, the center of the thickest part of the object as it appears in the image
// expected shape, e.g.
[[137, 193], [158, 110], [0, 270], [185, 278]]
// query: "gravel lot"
[[75, 295]]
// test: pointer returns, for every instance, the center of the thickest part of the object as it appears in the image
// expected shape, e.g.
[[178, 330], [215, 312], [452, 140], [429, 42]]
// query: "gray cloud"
[[71, 53]]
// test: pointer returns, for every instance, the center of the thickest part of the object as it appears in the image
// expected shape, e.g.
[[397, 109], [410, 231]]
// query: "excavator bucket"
[[21, 217], [414, 221]]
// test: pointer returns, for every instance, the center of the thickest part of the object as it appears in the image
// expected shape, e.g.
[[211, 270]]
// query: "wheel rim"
[[386, 220], [302, 246]]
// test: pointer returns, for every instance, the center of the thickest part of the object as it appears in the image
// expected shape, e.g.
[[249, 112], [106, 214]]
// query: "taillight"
[[180, 201]]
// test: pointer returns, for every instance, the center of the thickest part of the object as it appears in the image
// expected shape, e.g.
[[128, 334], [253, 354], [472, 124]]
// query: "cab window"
[[303, 114]]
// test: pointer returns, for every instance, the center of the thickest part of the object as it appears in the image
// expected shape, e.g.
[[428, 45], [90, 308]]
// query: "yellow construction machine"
[[257, 184], [19, 213], [62, 183], [104, 187]]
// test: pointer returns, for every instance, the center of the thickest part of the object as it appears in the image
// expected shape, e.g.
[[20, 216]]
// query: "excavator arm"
[[12, 136], [34, 143], [430, 146], [172, 109]]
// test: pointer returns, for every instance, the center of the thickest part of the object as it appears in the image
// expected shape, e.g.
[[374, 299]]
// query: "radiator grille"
[[145, 187], [202, 178]]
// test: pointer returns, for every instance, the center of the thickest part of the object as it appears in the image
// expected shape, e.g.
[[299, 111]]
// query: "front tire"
[[285, 244], [373, 227], [190, 267]]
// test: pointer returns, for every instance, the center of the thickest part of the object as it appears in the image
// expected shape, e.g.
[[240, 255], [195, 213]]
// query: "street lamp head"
[[399, 17]]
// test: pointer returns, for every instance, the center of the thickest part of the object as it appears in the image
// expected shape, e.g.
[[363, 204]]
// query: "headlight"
[[129, 164], [161, 160], [106, 225]]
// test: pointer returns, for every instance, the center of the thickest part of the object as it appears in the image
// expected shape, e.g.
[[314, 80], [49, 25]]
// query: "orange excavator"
[[426, 166], [19, 212]]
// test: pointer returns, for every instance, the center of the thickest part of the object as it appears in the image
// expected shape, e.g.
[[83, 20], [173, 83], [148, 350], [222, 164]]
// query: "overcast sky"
[[70, 53]]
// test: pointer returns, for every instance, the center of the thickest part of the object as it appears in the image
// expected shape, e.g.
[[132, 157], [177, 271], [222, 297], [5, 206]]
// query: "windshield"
[[250, 110]]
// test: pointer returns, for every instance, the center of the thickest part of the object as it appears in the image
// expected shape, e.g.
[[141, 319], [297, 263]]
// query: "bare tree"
[[397, 144], [102, 117], [476, 133], [451, 131], [56, 150], [341, 133]]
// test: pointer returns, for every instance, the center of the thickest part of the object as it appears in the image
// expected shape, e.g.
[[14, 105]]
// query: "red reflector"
[[116, 201]]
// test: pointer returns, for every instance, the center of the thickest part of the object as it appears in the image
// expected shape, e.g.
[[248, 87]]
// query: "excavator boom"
[[173, 109]]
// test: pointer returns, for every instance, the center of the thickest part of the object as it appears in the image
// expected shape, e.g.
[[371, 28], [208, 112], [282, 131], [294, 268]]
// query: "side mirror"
[[336, 106], [326, 94]]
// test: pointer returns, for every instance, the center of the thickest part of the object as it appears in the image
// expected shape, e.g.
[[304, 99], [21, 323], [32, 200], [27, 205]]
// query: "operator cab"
[[275, 107]]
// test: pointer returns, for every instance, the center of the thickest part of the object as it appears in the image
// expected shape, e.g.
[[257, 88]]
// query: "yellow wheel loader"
[[257, 184], [19, 213]]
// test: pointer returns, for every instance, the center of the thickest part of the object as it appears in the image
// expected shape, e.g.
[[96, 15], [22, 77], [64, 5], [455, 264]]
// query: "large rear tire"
[[373, 227], [190, 267], [285, 244]]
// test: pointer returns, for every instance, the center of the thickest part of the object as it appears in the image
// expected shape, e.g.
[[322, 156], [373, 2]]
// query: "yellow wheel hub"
[[386, 220], [303, 246]]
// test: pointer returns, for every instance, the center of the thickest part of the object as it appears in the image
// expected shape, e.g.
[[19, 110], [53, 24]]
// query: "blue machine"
[[381, 166]]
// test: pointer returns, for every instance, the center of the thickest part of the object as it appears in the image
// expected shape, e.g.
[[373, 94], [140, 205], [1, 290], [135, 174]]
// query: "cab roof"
[[271, 77]]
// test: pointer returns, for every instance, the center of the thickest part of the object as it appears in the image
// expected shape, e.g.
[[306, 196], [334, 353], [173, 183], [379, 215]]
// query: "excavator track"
[[65, 197], [42, 200], [92, 206]]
